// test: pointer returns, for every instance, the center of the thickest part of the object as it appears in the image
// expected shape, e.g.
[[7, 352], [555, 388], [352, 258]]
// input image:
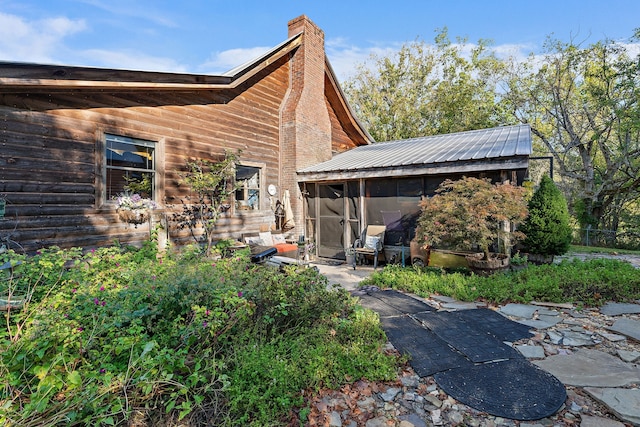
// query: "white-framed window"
[[248, 184], [130, 166]]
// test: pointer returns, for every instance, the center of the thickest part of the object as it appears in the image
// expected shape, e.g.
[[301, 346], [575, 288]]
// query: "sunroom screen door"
[[331, 221]]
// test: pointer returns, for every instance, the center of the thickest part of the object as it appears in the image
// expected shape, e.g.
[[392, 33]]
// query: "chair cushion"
[[267, 239], [278, 238], [371, 242], [286, 247]]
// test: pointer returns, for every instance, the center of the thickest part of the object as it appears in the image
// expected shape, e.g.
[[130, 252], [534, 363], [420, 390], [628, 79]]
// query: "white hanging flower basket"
[[134, 216], [134, 209]]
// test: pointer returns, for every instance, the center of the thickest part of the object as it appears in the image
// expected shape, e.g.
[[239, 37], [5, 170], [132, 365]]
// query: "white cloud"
[[342, 56], [44, 41], [516, 51], [633, 49], [220, 62], [34, 41], [131, 60], [345, 57], [130, 9]]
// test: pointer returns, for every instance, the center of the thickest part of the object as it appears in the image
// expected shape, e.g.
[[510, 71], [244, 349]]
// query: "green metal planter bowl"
[[449, 259]]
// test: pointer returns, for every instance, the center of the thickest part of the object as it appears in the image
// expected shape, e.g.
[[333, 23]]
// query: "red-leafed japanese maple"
[[471, 212]]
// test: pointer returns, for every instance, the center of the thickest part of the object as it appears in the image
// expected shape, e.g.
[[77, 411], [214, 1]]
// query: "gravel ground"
[[412, 401]]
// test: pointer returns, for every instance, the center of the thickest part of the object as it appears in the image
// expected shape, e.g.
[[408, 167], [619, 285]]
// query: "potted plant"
[[133, 208], [350, 254], [471, 213], [518, 261], [547, 228]]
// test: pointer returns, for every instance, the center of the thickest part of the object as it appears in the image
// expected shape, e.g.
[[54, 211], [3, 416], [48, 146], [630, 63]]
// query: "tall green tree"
[[583, 104], [429, 89]]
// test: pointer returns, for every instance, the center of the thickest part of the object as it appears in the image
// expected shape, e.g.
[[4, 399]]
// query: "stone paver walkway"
[[594, 352]]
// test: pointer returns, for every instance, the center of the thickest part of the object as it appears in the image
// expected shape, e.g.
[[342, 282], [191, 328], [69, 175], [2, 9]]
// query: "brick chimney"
[[305, 122]]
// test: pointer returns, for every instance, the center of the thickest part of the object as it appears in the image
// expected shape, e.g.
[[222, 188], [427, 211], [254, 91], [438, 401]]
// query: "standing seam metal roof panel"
[[506, 141]]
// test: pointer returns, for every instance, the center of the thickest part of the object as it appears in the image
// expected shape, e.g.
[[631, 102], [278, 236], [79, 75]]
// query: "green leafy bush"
[[424, 282], [117, 335], [266, 376]]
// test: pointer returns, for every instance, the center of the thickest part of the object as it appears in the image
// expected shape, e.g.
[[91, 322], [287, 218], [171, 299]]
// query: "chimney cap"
[[301, 24]]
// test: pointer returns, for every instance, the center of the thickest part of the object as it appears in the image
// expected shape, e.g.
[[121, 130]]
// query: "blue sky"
[[198, 36]]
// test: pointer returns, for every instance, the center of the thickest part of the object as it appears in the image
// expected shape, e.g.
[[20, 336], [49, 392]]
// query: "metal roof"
[[500, 143]]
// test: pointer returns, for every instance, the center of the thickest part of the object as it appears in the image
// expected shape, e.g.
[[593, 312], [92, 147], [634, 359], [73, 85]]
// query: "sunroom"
[[383, 183]]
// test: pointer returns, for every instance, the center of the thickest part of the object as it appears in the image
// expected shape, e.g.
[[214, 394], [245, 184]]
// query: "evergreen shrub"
[[547, 227]]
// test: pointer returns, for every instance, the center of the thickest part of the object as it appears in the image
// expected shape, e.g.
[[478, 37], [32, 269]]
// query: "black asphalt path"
[[466, 353]]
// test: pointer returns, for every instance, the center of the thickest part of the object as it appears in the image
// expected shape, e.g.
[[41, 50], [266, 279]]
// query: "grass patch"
[[585, 283]]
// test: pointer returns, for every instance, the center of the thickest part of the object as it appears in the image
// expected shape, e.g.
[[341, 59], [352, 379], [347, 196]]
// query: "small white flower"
[[132, 202]]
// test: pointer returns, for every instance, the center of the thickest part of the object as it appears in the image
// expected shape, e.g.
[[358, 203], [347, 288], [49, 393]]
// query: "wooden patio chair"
[[369, 244]]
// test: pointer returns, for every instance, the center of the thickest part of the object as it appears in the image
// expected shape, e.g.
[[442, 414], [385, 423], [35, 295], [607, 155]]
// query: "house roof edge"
[[23, 75]]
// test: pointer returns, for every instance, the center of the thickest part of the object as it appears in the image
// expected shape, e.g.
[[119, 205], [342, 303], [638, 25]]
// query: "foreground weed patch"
[[117, 335]]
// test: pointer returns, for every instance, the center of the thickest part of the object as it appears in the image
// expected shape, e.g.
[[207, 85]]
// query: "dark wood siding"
[[340, 141], [345, 132], [50, 152]]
